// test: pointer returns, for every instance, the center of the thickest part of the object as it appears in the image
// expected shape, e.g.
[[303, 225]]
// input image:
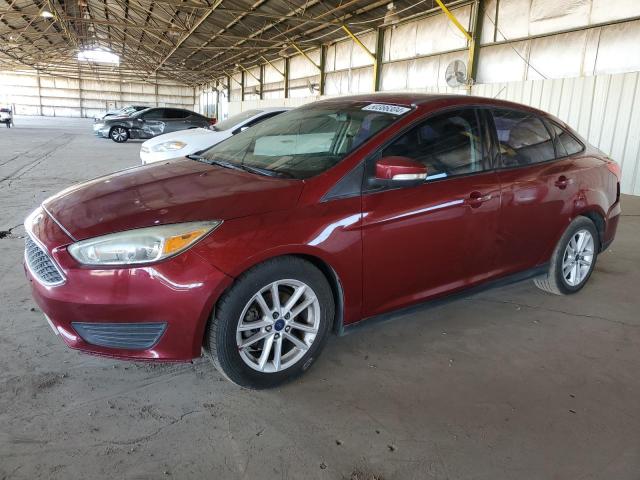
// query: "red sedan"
[[336, 212]]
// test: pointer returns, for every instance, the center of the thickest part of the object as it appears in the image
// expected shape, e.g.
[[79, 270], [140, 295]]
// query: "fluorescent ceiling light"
[[46, 14], [98, 56]]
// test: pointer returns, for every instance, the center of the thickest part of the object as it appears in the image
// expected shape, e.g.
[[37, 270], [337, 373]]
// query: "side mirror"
[[397, 171]]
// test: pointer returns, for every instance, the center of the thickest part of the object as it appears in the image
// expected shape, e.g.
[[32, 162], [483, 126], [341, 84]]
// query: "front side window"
[[303, 142], [522, 138], [153, 114], [449, 144]]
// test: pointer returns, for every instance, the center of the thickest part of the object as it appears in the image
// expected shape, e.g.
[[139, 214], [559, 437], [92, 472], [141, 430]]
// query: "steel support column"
[[470, 40], [323, 68], [363, 47], [377, 66], [286, 77]]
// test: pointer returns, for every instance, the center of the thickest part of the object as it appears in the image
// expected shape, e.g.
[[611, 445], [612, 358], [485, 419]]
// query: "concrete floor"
[[508, 384]]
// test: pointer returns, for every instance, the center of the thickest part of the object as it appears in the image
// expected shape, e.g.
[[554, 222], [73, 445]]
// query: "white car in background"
[[185, 142], [6, 116]]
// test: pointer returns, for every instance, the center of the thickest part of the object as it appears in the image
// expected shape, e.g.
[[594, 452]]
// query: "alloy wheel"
[[578, 257], [119, 134], [278, 325]]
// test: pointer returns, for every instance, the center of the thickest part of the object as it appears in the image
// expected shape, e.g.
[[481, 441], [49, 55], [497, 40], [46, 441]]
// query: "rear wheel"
[[272, 324], [119, 134], [573, 260]]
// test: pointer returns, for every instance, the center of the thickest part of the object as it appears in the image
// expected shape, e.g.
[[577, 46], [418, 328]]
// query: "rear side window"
[[566, 143], [448, 144], [523, 138], [174, 113]]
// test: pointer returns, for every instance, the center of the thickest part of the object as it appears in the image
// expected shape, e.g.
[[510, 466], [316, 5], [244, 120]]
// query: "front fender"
[[329, 232]]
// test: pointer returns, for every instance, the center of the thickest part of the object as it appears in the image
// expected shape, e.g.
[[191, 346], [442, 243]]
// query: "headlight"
[[168, 146], [140, 246]]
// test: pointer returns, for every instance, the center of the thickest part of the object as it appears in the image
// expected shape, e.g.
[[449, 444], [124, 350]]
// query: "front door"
[[423, 241], [152, 123]]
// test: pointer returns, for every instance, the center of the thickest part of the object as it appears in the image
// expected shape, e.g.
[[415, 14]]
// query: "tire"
[[555, 281], [119, 134], [239, 308]]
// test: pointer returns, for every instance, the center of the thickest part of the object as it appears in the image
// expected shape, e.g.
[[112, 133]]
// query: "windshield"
[[303, 142], [235, 120]]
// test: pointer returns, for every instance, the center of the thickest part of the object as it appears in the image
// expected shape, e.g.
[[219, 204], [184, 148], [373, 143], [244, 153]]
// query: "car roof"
[[425, 99], [273, 109]]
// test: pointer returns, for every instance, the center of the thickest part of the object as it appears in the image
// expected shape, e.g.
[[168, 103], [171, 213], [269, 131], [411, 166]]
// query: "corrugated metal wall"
[[605, 109], [58, 96], [577, 59]]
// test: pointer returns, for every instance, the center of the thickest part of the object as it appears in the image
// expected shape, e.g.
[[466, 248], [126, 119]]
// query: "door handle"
[[476, 199], [562, 182]]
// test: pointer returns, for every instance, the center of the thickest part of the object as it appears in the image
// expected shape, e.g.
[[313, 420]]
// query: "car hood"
[[198, 135], [158, 194]]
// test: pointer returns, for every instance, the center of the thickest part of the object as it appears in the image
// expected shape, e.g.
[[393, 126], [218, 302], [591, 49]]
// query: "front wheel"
[[573, 260], [271, 324], [119, 134]]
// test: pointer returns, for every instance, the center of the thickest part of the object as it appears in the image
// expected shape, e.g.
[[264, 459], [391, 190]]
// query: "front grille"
[[130, 336], [40, 264]]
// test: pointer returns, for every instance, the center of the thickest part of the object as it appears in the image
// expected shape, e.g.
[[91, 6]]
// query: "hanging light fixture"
[[391, 16], [46, 14]]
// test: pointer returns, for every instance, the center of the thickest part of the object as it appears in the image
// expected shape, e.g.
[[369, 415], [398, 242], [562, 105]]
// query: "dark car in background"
[[98, 120], [151, 122]]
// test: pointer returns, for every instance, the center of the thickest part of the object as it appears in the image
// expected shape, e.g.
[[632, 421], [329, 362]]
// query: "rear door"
[[423, 241], [538, 187], [176, 119]]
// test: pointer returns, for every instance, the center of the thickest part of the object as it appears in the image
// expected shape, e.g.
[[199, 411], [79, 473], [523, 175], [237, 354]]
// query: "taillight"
[[615, 169], [213, 121]]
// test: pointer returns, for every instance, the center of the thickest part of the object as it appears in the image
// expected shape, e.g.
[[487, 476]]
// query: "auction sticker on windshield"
[[384, 108]]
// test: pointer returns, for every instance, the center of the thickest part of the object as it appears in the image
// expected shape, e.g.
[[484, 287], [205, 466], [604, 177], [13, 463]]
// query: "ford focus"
[[314, 221]]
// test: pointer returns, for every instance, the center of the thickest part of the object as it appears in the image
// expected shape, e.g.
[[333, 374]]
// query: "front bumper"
[[97, 127], [106, 311]]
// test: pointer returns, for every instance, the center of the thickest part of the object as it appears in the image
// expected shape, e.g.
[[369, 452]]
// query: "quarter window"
[[566, 143], [522, 138], [448, 144]]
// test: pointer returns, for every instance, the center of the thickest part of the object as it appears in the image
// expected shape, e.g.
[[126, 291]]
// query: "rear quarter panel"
[[595, 190]]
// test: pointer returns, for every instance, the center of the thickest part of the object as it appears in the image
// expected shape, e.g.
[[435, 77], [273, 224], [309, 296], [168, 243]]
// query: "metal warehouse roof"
[[192, 41]]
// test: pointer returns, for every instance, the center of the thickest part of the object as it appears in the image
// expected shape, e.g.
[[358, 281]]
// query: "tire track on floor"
[[53, 145]]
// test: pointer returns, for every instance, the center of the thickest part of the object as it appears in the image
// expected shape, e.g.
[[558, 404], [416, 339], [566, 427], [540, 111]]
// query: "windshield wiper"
[[220, 163], [265, 171], [234, 166]]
